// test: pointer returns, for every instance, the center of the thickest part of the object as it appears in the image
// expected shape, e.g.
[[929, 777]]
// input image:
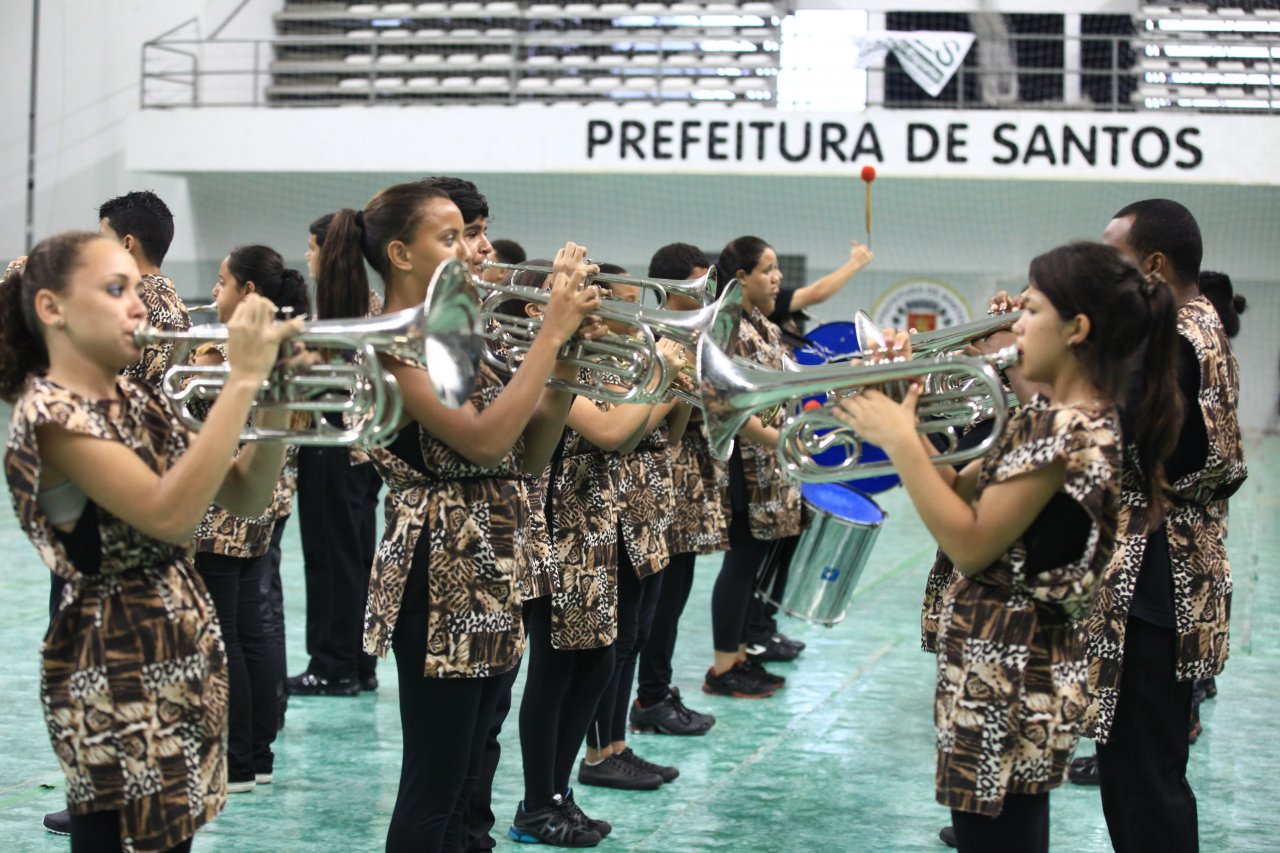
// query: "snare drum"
[[832, 553]]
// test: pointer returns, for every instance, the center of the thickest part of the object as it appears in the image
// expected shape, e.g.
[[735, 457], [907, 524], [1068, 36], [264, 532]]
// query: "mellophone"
[[464, 321]]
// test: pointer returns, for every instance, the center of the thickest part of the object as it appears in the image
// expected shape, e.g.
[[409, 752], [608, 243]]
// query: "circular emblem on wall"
[[923, 304]]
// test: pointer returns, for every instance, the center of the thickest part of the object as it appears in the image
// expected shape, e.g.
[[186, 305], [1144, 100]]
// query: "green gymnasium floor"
[[840, 760]]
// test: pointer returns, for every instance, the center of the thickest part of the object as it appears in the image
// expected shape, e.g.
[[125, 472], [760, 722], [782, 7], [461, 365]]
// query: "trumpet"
[[732, 392], [937, 341], [702, 290], [441, 335], [631, 363]]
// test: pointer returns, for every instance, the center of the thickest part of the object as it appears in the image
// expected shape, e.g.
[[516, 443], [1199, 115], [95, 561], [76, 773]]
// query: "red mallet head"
[[868, 173], [810, 405]]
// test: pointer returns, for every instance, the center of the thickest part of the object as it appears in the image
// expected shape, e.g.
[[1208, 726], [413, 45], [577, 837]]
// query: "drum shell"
[[828, 561]]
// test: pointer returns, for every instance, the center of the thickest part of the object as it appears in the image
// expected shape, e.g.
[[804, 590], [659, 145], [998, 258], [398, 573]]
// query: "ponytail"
[[355, 236], [342, 286], [1158, 417], [48, 267]]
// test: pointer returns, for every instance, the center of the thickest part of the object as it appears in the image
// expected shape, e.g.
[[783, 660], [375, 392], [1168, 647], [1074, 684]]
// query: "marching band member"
[[444, 588], [698, 526], [1029, 530], [645, 506], [109, 487], [572, 632], [233, 551], [337, 507], [765, 504], [1161, 617]]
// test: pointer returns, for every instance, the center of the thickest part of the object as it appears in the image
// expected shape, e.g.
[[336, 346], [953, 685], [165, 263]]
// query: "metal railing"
[[314, 71]]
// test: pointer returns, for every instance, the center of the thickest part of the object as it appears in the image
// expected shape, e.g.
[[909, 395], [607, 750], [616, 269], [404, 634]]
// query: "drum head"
[[844, 502], [839, 338]]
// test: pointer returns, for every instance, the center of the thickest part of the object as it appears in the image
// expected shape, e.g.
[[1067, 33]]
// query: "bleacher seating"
[[450, 51], [1210, 56]]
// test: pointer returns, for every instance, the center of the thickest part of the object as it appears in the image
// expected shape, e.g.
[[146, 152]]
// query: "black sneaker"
[[310, 684], [772, 649], [603, 827], [947, 835], [614, 772], [757, 671], [554, 825], [1084, 771], [59, 823], [738, 682], [667, 774], [669, 717], [798, 645], [369, 682]]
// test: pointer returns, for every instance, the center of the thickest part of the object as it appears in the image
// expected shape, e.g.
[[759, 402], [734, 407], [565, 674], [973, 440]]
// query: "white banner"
[[989, 144], [930, 58]]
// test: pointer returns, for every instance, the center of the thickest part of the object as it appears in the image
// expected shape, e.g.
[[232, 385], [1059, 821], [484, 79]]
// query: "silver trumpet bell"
[[441, 335], [733, 391], [702, 290]]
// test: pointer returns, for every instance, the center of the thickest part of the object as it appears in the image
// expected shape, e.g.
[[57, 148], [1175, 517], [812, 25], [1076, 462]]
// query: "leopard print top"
[[584, 529], [165, 311], [701, 523], [1195, 529], [1011, 677], [773, 500], [476, 521], [645, 501], [139, 728]]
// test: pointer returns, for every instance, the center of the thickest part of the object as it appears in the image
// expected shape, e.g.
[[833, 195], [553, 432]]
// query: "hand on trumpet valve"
[[1003, 303], [568, 307], [572, 261], [254, 339], [897, 347], [674, 355], [877, 418]]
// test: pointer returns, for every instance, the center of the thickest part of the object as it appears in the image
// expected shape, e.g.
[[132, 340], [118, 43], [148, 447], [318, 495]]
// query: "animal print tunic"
[[701, 522], [543, 577], [773, 500], [134, 678], [584, 530], [645, 501], [1012, 687], [1197, 554], [167, 313], [476, 521]]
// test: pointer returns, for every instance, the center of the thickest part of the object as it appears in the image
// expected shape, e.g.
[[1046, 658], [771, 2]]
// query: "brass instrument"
[[702, 290], [938, 341], [633, 364], [441, 335], [732, 391]]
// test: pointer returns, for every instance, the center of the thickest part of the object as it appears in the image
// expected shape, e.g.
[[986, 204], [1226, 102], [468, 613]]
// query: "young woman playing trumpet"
[[109, 487], [444, 588], [1029, 530]]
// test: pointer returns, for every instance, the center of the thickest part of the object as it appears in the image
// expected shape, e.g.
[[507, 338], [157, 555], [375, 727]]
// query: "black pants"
[[561, 693], [654, 669], [1142, 767], [235, 583], [444, 722], [1021, 827], [337, 502], [731, 596], [637, 600], [273, 610], [762, 622], [99, 832], [479, 818]]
